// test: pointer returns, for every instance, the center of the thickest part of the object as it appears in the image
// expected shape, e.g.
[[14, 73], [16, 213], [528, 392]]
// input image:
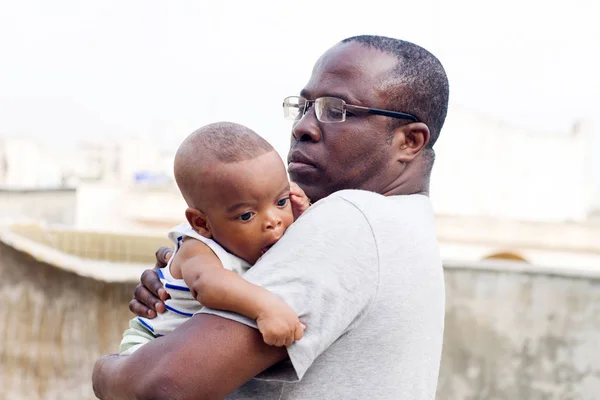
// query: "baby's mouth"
[[265, 249]]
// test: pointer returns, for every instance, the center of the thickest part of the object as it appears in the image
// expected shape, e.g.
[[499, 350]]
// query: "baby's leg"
[[134, 337]]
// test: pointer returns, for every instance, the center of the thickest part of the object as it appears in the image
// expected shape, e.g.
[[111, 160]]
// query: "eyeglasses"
[[332, 109]]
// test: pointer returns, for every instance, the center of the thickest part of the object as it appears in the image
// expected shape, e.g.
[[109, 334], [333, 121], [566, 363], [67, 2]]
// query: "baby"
[[240, 203]]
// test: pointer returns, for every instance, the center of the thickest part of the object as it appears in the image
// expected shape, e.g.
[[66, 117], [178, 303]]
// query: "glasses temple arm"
[[385, 113]]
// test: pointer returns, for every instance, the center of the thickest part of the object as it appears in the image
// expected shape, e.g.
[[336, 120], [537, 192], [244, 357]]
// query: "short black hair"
[[418, 85]]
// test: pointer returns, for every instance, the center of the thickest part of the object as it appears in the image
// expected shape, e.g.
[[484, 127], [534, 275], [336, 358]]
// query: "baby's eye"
[[246, 216], [282, 202]]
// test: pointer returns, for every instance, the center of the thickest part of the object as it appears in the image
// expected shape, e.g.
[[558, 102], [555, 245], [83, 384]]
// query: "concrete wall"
[[53, 325], [113, 248], [511, 333], [517, 332]]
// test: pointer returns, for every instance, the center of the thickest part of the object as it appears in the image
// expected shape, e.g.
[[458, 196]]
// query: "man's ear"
[[409, 140], [198, 221]]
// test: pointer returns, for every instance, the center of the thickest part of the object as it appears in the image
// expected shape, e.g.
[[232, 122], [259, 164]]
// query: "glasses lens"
[[330, 109], [293, 107]]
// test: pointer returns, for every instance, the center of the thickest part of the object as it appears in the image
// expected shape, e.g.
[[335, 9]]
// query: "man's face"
[[354, 154]]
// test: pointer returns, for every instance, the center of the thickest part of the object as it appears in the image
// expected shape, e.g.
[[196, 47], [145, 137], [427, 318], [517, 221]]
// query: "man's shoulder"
[[350, 211], [386, 217], [356, 195], [359, 199], [344, 205], [337, 218], [371, 203]]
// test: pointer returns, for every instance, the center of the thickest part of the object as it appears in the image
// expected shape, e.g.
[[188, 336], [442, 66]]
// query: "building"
[[25, 165], [485, 167]]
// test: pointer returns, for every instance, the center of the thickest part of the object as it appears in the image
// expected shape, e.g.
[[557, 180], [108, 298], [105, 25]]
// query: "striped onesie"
[[182, 305]]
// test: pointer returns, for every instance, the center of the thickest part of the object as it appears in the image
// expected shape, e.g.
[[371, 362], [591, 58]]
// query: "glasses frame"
[[345, 106]]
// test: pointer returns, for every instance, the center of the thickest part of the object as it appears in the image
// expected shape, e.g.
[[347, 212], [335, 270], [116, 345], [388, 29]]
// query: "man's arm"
[[328, 273], [180, 366]]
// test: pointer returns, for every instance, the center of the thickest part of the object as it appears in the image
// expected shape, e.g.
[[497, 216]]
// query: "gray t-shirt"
[[363, 272]]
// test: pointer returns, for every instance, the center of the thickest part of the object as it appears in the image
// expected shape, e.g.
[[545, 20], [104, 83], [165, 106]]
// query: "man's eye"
[[246, 216], [335, 113], [282, 202]]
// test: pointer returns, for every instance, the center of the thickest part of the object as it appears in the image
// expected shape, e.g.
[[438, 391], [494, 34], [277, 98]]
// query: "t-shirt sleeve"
[[326, 268]]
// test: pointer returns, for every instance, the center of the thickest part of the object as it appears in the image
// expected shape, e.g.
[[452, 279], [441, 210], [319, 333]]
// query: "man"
[[361, 267]]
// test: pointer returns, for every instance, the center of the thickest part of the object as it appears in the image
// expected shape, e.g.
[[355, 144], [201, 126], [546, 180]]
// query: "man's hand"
[[149, 295], [279, 324], [299, 199]]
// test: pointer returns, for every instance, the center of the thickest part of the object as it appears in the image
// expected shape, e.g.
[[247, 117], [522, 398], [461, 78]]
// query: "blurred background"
[[95, 98]]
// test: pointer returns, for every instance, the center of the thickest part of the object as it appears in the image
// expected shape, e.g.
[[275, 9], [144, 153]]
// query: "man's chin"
[[305, 175], [302, 171]]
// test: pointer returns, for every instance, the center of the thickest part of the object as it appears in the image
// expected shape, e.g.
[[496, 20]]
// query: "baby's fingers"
[[289, 340], [295, 190], [269, 338], [299, 332]]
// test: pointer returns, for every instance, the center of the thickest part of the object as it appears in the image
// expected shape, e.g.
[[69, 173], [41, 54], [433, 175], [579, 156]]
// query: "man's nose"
[[307, 128]]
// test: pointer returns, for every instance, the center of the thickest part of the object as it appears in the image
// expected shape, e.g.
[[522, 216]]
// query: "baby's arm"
[[216, 287]]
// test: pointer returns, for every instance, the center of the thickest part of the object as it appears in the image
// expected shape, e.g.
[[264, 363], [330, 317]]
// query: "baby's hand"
[[280, 325], [300, 202]]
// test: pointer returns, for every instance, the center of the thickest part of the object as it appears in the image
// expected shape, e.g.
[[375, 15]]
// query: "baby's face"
[[250, 207]]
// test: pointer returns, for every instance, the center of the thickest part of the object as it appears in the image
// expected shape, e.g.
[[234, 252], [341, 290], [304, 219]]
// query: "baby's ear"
[[198, 221]]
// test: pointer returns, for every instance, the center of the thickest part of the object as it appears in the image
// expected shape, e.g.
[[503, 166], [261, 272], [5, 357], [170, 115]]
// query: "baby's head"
[[236, 188]]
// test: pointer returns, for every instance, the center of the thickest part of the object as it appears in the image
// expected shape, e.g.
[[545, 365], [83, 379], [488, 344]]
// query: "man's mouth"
[[298, 158]]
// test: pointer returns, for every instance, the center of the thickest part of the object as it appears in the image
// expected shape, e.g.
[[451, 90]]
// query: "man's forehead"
[[355, 58], [347, 68]]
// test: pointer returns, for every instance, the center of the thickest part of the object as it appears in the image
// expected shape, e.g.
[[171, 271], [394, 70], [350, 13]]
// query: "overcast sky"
[[73, 69]]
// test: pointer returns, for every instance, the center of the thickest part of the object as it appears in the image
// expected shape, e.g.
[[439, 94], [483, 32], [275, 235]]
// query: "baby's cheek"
[[289, 217], [248, 244]]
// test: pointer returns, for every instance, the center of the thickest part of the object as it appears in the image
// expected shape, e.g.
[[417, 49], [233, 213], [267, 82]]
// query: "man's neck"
[[409, 188], [413, 179]]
